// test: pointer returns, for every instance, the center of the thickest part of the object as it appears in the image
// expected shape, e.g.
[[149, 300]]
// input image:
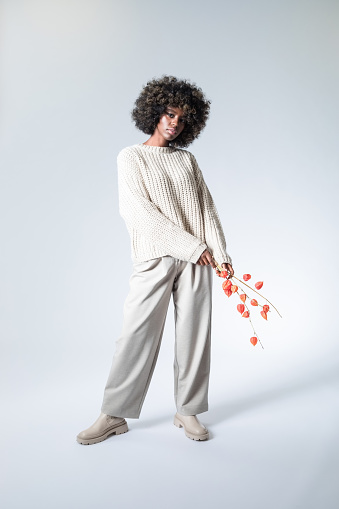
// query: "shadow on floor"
[[150, 423], [229, 408], [310, 382]]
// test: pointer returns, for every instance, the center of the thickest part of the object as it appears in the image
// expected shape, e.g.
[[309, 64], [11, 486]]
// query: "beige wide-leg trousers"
[[151, 286]]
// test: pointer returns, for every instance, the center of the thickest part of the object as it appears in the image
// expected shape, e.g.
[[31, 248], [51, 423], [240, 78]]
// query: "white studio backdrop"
[[71, 71]]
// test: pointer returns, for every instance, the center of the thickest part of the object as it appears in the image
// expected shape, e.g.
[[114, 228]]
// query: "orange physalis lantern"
[[241, 308], [227, 284]]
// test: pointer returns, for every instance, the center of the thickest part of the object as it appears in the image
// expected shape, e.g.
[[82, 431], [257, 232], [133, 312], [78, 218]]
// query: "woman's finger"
[[230, 269]]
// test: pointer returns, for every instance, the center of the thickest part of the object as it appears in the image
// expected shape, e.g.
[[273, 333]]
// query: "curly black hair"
[[158, 94]]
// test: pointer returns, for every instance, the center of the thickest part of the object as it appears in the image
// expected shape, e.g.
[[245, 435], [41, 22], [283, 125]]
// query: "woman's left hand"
[[229, 268]]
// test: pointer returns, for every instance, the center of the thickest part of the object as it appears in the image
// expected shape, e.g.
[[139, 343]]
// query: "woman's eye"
[[170, 115], [182, 120]]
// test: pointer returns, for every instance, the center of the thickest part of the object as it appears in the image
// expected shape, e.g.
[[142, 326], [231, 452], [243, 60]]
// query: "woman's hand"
[[229, 268], [207, 259]]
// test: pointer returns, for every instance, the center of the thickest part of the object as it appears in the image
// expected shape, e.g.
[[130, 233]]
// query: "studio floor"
[[268, 448]]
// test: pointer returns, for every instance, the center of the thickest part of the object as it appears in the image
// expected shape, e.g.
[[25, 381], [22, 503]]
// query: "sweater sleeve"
[[214, 235], [141, 214]]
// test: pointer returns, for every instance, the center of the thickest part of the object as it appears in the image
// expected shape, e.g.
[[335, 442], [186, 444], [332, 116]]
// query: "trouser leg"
[[137, 348], [192, 297]]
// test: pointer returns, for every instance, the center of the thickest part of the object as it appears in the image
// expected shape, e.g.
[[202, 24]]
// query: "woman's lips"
[[172, 131]]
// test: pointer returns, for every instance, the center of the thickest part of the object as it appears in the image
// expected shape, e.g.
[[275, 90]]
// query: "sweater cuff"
[[222, 257], [227, 259], [197, 253]]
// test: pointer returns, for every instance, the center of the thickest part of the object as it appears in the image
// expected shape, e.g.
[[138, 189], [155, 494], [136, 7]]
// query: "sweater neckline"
[[153, 148]]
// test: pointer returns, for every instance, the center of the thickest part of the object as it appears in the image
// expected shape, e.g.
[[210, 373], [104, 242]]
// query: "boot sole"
[[192, 436], [118, 430]]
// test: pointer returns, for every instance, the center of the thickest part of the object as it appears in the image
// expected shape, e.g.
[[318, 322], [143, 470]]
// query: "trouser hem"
[[192, 410], [119, 412]]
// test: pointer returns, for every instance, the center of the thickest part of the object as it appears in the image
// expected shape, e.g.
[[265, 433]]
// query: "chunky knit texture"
[[167, 206]]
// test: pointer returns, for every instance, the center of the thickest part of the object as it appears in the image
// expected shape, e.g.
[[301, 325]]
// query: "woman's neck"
[[156, 140]]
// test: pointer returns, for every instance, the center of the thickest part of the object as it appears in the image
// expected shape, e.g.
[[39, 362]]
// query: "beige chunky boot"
[[103, 427], [193, 428]]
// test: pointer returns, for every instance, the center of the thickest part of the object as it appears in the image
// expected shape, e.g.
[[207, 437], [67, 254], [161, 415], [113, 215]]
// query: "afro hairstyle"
[[158, 94]]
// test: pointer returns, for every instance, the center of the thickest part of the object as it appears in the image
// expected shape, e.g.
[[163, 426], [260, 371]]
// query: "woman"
[[176, 236]]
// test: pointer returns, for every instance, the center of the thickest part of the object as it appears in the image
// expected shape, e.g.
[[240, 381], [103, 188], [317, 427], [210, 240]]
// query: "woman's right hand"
[[207, 259]]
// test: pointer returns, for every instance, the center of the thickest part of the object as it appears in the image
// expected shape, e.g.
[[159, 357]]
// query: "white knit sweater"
[[167, 206]]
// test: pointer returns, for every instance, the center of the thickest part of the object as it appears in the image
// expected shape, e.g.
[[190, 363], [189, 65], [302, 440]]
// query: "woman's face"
[[171, 123]]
